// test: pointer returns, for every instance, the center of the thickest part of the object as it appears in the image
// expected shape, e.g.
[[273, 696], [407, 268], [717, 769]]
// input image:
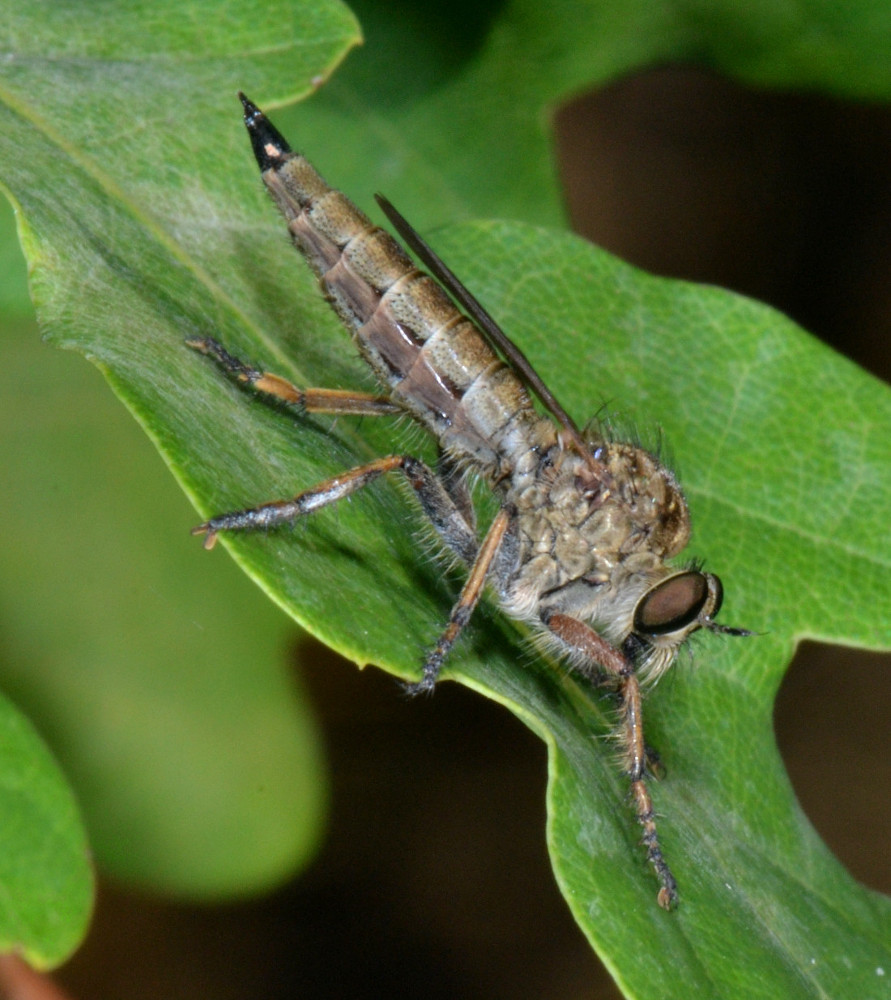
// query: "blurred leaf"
[[196, 774], [448, 106], [15, 303], [146, 225], [46, 883]]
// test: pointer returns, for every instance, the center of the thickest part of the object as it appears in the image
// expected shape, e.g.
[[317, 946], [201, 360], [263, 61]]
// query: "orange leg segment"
[[600, 656]]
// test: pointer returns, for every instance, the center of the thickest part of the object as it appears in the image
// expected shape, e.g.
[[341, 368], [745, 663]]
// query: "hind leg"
[[278, 388]]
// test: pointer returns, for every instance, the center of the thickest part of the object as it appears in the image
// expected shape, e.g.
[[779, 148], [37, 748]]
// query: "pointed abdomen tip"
[[269, 145]]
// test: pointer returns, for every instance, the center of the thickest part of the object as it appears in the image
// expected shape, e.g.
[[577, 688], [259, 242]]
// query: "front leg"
[[593, 655]]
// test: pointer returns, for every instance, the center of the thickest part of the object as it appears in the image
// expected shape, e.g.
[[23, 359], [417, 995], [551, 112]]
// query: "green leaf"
[[15, 303], [195, 774], [448, 107], [45, 876], [788, 468], [146, 224], [787, 464]]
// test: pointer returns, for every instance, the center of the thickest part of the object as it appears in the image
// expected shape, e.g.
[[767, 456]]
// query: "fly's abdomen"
[[432, 358]]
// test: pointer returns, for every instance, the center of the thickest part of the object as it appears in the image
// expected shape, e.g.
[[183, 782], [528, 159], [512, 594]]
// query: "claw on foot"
[[667, 898], [211, 536], [423, 686]]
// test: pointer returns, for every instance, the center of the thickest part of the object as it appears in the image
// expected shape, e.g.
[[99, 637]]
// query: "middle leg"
[[445, 516]]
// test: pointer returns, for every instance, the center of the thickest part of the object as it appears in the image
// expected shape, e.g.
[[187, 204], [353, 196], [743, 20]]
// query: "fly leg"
[[441, 509], [278, 388], [467, 601], [598, 655], [444, 497], [452, 518], [444, 515]]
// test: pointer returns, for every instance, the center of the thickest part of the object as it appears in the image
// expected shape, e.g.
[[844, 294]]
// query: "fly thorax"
[[650, 494]]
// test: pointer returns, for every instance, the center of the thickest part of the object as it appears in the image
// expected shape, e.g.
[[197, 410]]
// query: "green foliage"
[[154, 674], [144, 224], [44, 869], [195, 774]]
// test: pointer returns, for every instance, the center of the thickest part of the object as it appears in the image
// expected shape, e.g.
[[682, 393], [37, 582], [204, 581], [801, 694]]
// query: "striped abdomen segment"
[[434, 360]]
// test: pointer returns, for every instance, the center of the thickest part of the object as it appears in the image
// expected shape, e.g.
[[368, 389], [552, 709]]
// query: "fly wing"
[[494, 335]]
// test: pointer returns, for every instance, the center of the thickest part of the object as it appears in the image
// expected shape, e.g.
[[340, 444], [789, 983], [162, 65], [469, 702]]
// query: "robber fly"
[[580, 543]]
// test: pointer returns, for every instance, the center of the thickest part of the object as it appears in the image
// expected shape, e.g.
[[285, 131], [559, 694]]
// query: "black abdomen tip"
[[268, 143]]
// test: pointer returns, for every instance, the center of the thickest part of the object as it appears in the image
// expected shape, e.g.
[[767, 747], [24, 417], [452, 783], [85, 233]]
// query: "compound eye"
[[676, 603]]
